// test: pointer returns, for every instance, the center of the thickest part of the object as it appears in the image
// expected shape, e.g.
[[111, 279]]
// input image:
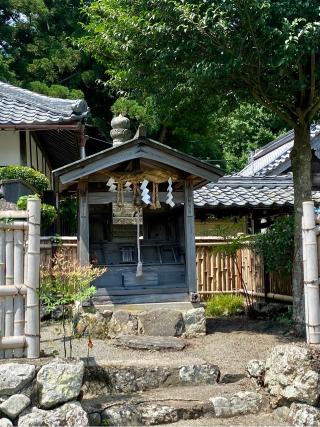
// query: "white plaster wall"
[[9, 148]]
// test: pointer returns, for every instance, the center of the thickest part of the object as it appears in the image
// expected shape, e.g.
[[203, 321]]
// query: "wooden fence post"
[[32, 309]]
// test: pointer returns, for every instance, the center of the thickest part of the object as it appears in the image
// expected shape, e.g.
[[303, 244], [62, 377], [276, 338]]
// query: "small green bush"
[[39, 181], [224, 305], [48, 212]]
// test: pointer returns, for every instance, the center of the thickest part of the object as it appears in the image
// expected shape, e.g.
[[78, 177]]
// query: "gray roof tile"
[[22, 107]]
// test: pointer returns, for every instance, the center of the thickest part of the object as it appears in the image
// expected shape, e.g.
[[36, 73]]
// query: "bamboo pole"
[[12, 342], [311, 274], [8, 322], [2, 282], [32, 311], [18, 302]]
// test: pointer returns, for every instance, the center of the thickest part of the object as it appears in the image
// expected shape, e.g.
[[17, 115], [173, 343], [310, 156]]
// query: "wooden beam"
[[189, 236], [78, 170], [97, 198], [37, 127], [83, 237]]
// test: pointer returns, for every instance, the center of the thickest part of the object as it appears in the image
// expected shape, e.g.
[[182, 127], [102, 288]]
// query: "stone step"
[[140, 375], [141, 299], [165, 406], [142, 342]]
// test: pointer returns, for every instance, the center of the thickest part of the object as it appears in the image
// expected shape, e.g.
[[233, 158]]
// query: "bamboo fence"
[[218, 273], [19, 282]]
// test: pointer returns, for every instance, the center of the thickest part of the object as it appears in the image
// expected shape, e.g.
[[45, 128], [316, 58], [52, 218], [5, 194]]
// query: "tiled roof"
[[244, 192], [23, 107], [268, 159]]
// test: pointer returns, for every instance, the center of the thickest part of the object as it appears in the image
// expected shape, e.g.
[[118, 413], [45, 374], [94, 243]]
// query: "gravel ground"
[[230, 343]]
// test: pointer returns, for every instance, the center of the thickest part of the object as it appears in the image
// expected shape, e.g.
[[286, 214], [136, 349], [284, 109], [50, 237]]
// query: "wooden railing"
[[216, 273]]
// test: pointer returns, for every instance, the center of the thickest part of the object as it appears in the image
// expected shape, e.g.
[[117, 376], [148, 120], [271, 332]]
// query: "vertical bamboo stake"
[[18, 280], [311, 274], [8, 326], [32, 311], [2, 282]]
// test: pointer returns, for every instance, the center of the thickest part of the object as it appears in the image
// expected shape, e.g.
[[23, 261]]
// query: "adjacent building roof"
[[265, 182], [274, 158], [22, 107], [246, 192]]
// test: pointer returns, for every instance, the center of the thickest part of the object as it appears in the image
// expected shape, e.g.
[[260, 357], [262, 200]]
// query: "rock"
[[13, 406], [161, 322], [244, 402], [107, 314], [199, 374], [59, 382], [4, 422], [94, 324], [94, 419], [282, 412], [122, 323], [124, 415], [69, 415], [303, 415], [194, 322], [133, 379], [256, 369], [152, 414], [14, 376], [142, 342], [290, 376]]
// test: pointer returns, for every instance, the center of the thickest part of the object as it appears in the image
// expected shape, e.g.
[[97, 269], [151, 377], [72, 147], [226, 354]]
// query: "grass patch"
[[224, 305]]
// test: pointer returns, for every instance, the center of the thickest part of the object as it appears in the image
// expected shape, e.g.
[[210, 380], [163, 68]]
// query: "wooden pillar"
[[189, 233], [83, 224]]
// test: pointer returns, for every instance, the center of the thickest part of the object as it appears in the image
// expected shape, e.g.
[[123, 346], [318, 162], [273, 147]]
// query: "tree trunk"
[[301, 169]]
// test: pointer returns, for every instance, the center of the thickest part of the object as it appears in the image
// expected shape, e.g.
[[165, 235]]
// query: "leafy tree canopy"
[[38, 52]]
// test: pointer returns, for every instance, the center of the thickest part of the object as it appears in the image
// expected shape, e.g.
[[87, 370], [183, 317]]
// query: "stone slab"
[[150, 343]]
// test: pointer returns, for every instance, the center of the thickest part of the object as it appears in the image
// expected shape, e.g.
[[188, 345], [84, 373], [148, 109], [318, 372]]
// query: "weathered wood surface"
[[150, 343], [218, 273], [83, 237], [189, 237]]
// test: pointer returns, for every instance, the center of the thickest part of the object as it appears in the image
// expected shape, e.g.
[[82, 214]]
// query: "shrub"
[[276, 245], [48, 212], [224, 305], [65, 282], [39, 181]]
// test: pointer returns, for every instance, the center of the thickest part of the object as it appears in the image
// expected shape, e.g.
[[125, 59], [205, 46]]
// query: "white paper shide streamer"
[[145, 196], [112, 185], [169, 199]]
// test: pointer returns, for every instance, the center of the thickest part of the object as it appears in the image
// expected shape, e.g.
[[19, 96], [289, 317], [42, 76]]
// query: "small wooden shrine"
[[136, 216]]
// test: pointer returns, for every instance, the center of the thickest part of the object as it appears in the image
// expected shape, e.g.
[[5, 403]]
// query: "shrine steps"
[[142, 298]]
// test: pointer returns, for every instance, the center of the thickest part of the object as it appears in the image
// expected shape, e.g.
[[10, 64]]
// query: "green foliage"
[[39, 181], [144, 114], [286, 319], [48, 212], [56, 91], [68, 210], [38, 52], [276, 245], [224, 305]]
